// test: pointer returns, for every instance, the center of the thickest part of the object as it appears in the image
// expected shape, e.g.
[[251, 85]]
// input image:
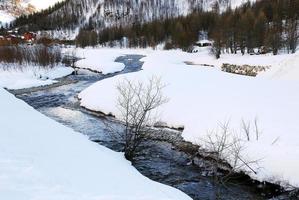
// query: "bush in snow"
[[137, 103], [226, 150], [37, 55]]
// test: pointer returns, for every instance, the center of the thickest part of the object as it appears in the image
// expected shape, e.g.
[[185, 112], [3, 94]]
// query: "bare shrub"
[[246, 129], [36, 55], [226, 147], [256, 129], [47, 56], [137, 103]]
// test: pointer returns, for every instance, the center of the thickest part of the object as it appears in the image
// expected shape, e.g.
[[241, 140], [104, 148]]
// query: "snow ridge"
[[42, 159]]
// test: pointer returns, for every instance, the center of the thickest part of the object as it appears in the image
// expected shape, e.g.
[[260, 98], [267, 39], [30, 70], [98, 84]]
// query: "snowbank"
[[31, 76], [42, 159], [202, 97], [100, 60], [279, 67], [204, 57], [286, 69]]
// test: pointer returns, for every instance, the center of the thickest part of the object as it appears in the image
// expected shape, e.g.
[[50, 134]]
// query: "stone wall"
[[246, 70]]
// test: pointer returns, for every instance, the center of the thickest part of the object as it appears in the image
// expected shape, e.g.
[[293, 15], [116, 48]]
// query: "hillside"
[[74, 14], [10, 9]]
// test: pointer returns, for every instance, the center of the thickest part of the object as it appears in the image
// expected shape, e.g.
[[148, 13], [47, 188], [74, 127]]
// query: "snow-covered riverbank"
[[42, 159], [202, 97], [31, 76], [99, 60]]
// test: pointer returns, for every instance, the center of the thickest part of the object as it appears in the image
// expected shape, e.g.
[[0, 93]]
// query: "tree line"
[[177, 32], [266, 26], [21, 56], [70, 14], [50, 19]]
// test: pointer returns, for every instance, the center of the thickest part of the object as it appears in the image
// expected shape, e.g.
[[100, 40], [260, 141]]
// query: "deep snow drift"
[[99, 60], [42, 159], [202, 97]]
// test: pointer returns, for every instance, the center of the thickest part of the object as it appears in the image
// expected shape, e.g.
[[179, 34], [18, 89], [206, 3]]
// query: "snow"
[[286, 69], [5, 18], [100, 60], [204, 41], [267, 60], [236, 3], [31, 76], [42, 159], [41, 5], [202, 97], [223, 5]]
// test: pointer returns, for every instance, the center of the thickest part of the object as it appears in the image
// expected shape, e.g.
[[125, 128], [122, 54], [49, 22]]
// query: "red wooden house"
[[29, 36]]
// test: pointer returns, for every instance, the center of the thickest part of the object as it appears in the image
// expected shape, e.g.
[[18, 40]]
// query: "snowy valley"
[[149, 100]]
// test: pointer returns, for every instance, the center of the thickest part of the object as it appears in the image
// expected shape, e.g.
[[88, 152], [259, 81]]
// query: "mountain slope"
[[5, 17], [9, 9], [40, 5], [100, 14]]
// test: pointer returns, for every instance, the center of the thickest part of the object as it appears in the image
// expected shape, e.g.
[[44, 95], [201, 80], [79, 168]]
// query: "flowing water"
[[159, 159]]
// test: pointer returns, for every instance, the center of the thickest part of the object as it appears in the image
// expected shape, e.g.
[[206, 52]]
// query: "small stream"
[[160, 160]]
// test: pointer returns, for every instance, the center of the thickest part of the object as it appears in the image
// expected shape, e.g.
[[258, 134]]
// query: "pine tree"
[[274, 39], [292, 34], [260, 27]]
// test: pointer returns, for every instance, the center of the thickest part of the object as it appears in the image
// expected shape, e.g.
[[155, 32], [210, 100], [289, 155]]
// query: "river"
[[161, 160]]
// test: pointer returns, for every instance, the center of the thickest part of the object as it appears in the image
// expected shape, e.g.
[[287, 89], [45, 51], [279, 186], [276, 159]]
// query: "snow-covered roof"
[[204, 41]]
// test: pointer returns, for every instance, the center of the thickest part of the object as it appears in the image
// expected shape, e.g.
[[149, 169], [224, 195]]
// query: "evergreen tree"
[[260, 27]]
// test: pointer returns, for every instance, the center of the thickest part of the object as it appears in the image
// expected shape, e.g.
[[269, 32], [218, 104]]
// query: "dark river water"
[[159, 160]]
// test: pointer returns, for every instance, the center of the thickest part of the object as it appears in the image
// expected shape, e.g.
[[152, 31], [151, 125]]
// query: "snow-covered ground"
[[285, 69], [202, 97], [31, 76], [5, 18], [100, 60], [42, 159]]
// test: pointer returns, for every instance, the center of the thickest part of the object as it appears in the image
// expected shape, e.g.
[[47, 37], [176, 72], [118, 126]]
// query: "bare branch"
[[246, 129], [136, 103]]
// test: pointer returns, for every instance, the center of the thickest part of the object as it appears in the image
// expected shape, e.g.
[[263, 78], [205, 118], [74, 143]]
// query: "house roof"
[[204, 41]]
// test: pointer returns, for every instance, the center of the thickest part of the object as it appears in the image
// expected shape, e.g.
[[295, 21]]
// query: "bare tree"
[[137, 103], [292, 34], [225, 148]]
